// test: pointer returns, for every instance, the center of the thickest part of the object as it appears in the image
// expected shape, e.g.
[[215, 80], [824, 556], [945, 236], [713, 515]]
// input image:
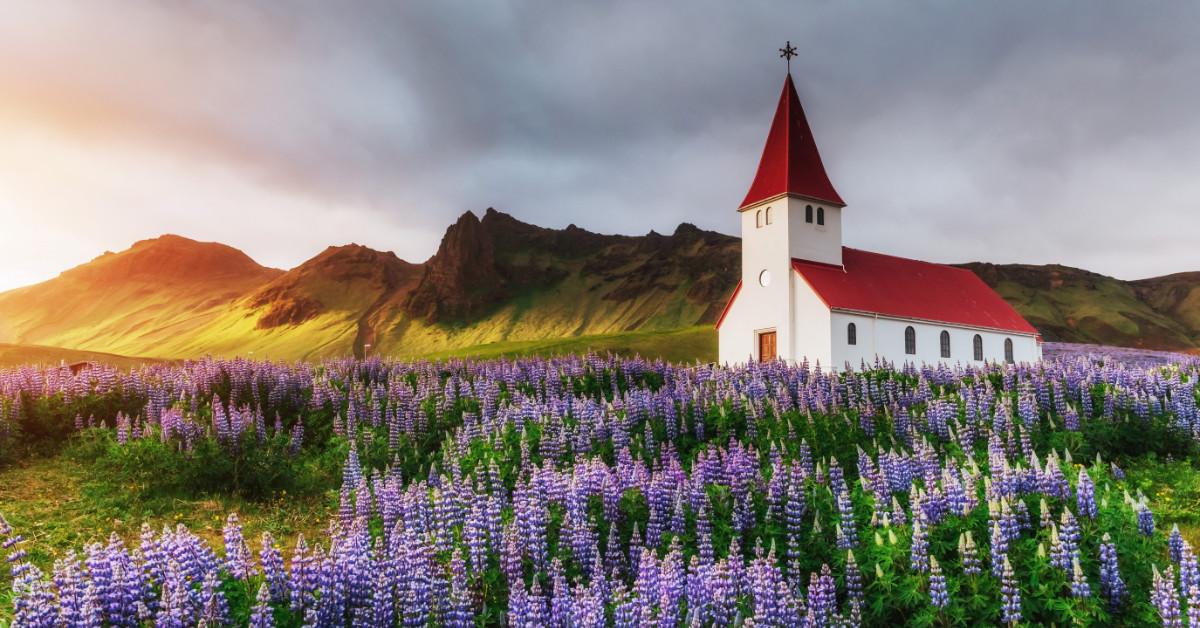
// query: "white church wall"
[[811, 321], [734, 345], [759, 308], [884, 337], [862, 350], [812, 241]]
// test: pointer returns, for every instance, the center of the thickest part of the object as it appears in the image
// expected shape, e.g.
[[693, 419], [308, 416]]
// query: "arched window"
[[820, 215], [768, 215], [910, 340], [945, 338], [978, 342], [851, 334], [808, 213], [758, 219], [1008, 350]]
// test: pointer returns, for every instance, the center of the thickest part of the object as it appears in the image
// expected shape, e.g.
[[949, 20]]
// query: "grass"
[[58, 503], [687, 344], [1173, 487], [18, 355], [681, 345]]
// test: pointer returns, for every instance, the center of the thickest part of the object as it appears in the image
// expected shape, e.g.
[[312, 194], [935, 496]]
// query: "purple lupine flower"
[[560, 594], [1193, 605], [1085, 494], [822, 598], [302, 577], [673, 581], [69, 581], [1010, 525], [938, 595], [625, 613], [1175, 544], [272, 568], [1165, 598], [721, 594], [460, 613], [1071, 420], [1010, 595], [261, 616], [1065, 542], [918, 556], [383, 603], [1145, 519], [1112, 587], [854, 580], [587, 610], [847, 531], [999, 550], [296, 440], [969, 554], [214, 608], [237, 554], [1079, 583]]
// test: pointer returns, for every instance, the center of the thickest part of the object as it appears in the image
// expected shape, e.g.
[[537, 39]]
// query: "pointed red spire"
[[790, 162]]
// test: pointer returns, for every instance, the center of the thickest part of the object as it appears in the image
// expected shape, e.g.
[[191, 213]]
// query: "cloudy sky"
[[1011, 132]]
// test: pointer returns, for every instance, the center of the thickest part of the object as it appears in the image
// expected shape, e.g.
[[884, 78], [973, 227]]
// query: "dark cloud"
[[1019, 131]]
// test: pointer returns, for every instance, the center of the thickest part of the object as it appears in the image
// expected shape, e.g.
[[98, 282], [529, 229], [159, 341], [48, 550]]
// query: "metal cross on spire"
[[787, 52]]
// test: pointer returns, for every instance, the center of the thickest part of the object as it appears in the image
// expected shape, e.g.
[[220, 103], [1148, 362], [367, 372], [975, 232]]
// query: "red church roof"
[[873, 283], [790, 162]]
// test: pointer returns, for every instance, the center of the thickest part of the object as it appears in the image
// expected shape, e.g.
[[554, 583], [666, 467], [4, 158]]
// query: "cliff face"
[[483, 264], [462, 278]]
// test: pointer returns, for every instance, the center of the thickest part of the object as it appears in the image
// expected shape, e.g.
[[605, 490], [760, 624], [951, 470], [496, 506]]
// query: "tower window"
[[945, 344], [758, 219], [1008, 350], [910, 340], [820, 215], [978, 348], [808, 213], [768, 215], [851, 334]]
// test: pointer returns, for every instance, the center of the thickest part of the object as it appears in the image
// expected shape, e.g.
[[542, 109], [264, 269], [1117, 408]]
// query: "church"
[[803, 295]]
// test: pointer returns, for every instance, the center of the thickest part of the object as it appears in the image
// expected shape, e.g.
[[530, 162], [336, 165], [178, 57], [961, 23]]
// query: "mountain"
[[1072, 305], [497, 285], [130, 302], [493, 279]]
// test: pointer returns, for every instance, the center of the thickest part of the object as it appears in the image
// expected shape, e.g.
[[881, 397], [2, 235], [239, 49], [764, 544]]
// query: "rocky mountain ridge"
[[493, 279]]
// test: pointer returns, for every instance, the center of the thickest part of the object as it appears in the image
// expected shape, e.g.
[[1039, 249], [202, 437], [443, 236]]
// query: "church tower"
[[791, 212], [791, 179]]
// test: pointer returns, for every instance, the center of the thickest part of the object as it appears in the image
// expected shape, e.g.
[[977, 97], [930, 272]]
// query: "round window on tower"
[[764, 278]]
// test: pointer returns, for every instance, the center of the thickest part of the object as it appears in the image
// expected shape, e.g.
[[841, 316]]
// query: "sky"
[[1020, 131]]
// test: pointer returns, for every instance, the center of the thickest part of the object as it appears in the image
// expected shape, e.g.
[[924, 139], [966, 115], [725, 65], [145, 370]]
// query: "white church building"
[[805, 295]]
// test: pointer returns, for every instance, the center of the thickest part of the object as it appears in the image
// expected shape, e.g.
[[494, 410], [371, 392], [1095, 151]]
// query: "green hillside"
[[1072, 305], [494, 282], [498, 286]]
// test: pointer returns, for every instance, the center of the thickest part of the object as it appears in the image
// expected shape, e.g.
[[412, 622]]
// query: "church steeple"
[[791, 164]]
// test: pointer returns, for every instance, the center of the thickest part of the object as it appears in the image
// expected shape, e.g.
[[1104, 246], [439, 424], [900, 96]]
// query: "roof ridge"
[[907, 259], [905, 288]]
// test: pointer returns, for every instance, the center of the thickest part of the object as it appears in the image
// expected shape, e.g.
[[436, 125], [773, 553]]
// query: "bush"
[[249, 469]]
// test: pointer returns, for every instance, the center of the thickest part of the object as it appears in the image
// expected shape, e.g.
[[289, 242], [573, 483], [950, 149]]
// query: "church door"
[[766, 346]]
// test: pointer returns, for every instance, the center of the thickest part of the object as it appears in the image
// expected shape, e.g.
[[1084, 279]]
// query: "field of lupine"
[[593, 491]]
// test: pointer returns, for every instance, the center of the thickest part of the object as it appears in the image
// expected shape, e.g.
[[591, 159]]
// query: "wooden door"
[[766, 346]]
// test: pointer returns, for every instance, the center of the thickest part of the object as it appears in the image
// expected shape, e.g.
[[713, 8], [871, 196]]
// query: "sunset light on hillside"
[[782, 314]]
